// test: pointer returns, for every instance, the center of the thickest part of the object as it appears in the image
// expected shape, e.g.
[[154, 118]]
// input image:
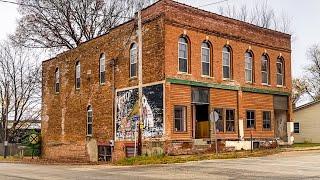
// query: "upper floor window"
[[205, 58], [248, 67], [183, 55], [57, 81], [102, 68], [133, 60], [280, 71], [226, 63], [89, 121], [265, 69], [77, 82]]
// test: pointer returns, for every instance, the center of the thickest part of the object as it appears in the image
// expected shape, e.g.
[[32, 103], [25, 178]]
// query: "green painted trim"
[[226, 87]]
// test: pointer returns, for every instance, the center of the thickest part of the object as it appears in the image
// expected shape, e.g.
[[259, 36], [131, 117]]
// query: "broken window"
[[248, 67], [266, 120], [77, 80], [102, 68], [133, 60], [296, 127], [205, 58], [220, 121], [230, 120], [265, 69], [57, 81], [89, 120], [251, 119], [226, 58], [183, 54], [180, 113], [104, 153]]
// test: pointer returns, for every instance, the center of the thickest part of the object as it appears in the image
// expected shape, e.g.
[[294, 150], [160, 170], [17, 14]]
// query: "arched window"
[[183, 54], [57, 81], [89, 121], [78, 73], [102, 68], [280, 71], [133, 60], [248, 66], [205, 58], [265, 69], [227, 62]]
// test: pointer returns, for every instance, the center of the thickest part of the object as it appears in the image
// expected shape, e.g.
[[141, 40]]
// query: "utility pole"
[[140, 81]]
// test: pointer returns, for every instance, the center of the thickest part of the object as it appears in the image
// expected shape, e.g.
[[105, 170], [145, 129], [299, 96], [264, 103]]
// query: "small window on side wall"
[[226, 63], [78, 73], [205, 58], [180, 116], [133, 60], [102, 68], [296, 127], [57, 81], [89, 121], [183, 55]]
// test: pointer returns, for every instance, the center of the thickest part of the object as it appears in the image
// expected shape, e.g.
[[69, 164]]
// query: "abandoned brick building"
[[194, 62]]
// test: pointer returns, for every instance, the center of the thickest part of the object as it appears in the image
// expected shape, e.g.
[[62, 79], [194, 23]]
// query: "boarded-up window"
[[200, 95], [280, 102]]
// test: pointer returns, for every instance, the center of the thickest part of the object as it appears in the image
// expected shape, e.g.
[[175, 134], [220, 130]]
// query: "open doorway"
[[201, 119]]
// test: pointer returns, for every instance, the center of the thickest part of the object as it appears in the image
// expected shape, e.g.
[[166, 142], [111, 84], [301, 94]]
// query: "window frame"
[[248, 69], [254, 119], [296, 131], [222, 119], [89, 109], [229, 52], [102, 71], [57, 81], [208, 48], [133, 48], [184, 118], [77, 75], [234, 120], [266, 120], [186, 43], [281, 62], [267, 72]]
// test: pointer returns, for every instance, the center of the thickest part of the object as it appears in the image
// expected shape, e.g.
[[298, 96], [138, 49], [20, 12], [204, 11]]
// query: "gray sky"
[[304, 22]]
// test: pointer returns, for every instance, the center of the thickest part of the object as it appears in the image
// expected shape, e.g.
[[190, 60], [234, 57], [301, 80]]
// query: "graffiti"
[[152, 112]]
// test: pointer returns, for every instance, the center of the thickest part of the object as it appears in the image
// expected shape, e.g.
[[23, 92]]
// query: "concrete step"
[[200, 142]]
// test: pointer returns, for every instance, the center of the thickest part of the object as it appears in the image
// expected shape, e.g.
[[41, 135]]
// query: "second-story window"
[[264, 69], [280, 72], [183, 55], [77, 80], [133, 60], [205, 59], [248, 67], [102, 68], [226, 63], [57, 81]]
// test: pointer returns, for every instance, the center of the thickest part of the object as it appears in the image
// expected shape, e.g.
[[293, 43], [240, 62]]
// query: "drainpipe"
[[113, 89]]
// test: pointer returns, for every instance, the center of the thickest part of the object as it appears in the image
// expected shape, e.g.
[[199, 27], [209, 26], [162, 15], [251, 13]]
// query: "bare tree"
[[262, 14], [65, 24], [20, 89]]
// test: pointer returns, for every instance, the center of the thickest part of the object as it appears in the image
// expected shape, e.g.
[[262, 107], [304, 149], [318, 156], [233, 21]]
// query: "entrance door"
[[201, 119], [281, 124]]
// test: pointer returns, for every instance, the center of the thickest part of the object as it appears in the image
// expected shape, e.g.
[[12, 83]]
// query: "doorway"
[[201, 121]]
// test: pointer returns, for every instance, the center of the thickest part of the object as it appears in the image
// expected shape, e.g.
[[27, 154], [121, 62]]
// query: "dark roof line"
[[307, 105]]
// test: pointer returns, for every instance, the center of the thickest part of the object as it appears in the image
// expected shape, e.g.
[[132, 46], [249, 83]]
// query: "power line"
[[217, 2]]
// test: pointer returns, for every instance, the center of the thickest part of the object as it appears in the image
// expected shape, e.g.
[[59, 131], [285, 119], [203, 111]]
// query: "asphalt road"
[[292, 165]]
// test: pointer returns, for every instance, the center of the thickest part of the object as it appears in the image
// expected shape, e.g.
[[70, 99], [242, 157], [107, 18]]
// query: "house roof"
[[307, 105]]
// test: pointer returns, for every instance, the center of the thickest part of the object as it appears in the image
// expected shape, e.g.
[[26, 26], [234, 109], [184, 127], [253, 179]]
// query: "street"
[[289, 165]]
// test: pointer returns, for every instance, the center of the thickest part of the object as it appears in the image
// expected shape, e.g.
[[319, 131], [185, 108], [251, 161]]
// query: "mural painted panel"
[[152, 112]]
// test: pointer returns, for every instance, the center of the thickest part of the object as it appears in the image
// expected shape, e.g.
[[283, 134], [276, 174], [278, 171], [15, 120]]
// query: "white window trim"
[[184, 118], [209, 63], [229, 54], [268, 66], [183, 57], [135, 61], [281, 74], [57, 80], [246, 69], [90, 122], [102, 59], [78, 74]]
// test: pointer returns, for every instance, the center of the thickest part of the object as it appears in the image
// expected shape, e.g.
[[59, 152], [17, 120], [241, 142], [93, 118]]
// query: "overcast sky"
[[304, 15]]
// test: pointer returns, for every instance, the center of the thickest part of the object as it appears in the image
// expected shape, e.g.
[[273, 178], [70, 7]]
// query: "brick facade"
[[64, 114]]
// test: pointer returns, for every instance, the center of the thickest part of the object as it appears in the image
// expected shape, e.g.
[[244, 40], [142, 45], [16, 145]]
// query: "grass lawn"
[[163, 159], [302, 145]]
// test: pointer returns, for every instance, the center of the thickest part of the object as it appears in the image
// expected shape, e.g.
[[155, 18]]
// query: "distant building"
[[307, 123], [23, 128], [194, 62]]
